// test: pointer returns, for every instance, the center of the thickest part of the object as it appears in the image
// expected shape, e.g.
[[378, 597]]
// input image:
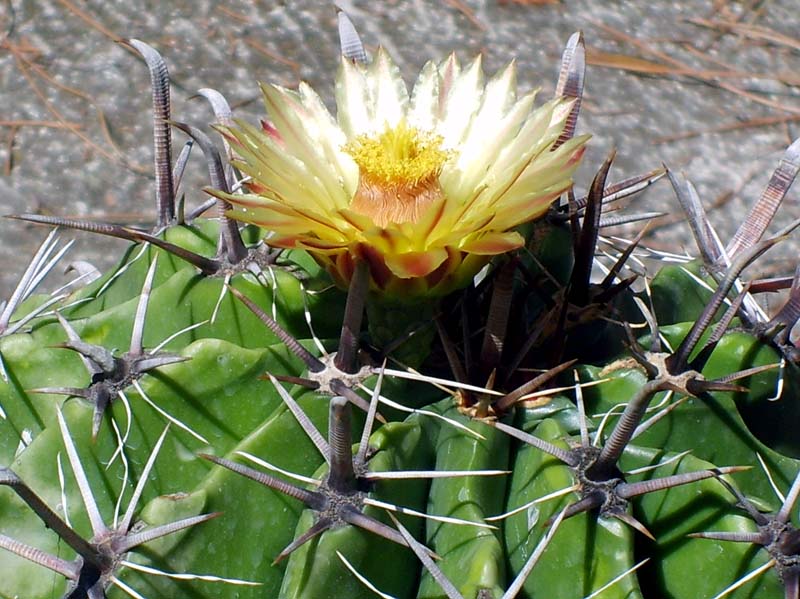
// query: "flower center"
[[398, 173]]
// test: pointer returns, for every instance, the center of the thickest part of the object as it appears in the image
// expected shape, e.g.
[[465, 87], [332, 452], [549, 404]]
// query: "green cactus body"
[[473, 556], [676, 513], [315, 568], [586, 552], [677, 295]]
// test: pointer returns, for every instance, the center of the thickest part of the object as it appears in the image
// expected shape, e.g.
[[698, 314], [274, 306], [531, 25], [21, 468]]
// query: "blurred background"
[[711, 89]]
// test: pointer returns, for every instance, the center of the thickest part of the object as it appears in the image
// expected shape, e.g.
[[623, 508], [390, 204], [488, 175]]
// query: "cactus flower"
[[425, 187]]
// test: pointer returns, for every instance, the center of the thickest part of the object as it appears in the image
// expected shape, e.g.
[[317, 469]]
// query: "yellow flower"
[[425, 187]]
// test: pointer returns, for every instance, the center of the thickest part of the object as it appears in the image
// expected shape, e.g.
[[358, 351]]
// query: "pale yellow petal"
[[411, 265], [424, 105], [449, 71], [276, 216], [388, 240], [353, 99], [389, 92], [357, 220], [461, 102], [550, 178], [330, 140], [490, 119], [532, 137], [283, 174], [493, 243], [534, 140], [479, 155], [428, 229], [298, 127]]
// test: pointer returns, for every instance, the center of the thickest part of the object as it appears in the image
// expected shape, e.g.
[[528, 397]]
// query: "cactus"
[[473, 394]]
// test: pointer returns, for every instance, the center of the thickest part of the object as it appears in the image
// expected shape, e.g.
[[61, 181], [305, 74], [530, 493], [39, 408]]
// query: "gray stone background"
[[718, 99]]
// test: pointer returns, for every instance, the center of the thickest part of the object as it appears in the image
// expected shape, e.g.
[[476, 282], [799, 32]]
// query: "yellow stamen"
[[398, 173], [402, 155]]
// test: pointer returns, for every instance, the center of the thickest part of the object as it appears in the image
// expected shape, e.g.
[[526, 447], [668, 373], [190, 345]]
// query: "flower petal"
[[329, 140], [352, 99], [298, 128], [492, 116], [424, 106], [494, 243], [389, 92], [415, 264], [478, 156], [461, 102]]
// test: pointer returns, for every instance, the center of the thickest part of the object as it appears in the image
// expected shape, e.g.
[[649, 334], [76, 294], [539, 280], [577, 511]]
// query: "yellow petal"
[[494, 243], [477, 158], [388, 240], [352, 99], [299, 130], [424, 104], [274, 167], [415, 264], [390, 95], [462, 101]]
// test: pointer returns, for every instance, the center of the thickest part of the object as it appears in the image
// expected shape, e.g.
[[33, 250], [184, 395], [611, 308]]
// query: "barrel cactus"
[[401, 361]]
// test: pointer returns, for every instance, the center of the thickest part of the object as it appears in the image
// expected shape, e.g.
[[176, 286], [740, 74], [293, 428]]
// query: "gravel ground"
[[75, 123]]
